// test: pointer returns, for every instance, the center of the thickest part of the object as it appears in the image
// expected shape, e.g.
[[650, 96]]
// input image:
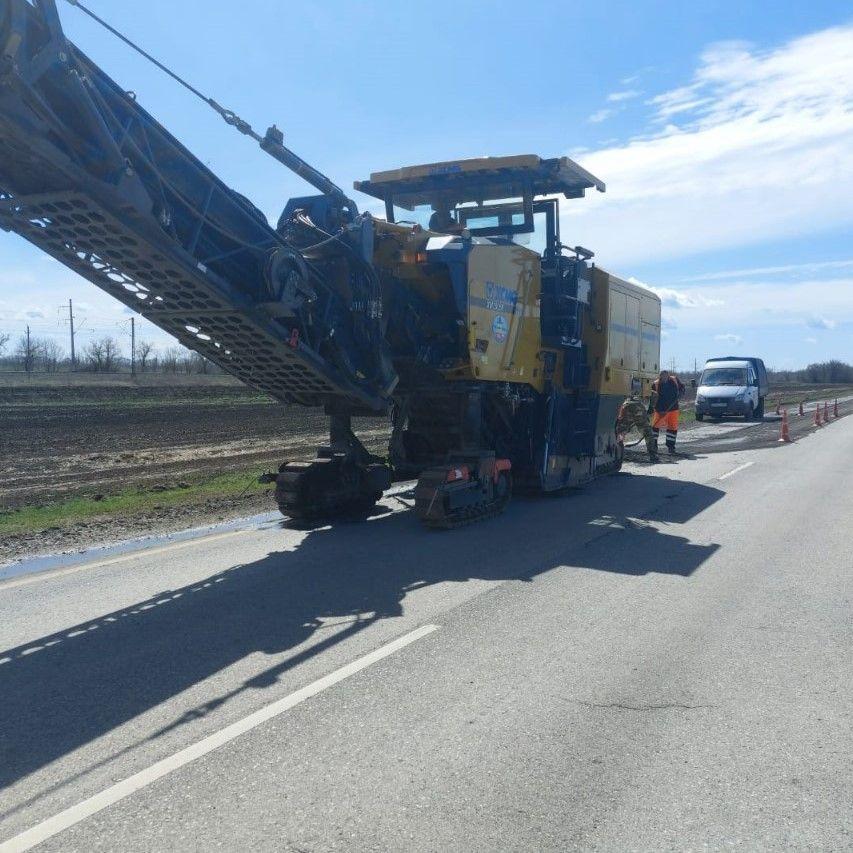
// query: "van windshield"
[[724, 376]]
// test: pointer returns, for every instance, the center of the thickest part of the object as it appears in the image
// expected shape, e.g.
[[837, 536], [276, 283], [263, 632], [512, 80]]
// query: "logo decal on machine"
[[500, 298], [500, 329]]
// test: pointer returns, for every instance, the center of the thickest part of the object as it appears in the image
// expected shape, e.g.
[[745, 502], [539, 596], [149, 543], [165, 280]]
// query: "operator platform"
[[472, 183]]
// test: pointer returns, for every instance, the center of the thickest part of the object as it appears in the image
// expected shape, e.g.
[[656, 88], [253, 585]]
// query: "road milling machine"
[[500, 354]]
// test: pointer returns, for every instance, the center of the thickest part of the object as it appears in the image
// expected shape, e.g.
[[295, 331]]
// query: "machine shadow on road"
[[62, 691]]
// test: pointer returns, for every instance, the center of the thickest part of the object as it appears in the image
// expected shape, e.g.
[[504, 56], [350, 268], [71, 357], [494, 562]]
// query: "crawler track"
[[432, 510], [321, 488]]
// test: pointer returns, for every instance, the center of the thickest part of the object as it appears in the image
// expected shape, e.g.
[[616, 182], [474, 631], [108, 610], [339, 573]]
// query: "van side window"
[[750, 374]]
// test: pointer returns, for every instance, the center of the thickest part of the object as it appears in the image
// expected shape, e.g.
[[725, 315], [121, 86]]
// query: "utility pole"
[[133, 346], [28, 354], [71, 325]]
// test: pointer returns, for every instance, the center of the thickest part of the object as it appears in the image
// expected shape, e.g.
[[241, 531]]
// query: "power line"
[[71, 324], [272, 143]]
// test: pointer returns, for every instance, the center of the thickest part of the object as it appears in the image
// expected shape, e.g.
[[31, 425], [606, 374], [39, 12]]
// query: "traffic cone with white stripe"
[[817, 420], [826, 412], [786, 435], [801, 413], [835, 408], [779, 408]]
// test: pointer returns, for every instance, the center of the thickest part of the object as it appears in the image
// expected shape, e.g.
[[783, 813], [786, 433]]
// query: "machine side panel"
[[650, 340], [503, 314], [617, 330], [595, 329], [632, 331]]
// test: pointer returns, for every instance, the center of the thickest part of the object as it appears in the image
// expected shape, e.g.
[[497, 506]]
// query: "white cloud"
[[758, 145], [624, 95], [741, 307], [672, 298], [787, 269], [769, 314], [735, 340], [820, 323], [600, 115]]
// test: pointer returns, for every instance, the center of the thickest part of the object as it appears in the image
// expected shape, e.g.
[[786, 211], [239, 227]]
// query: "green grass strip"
[[66, 513]]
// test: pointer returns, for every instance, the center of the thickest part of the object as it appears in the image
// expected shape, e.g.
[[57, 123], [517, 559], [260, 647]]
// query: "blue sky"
[[724, 132]]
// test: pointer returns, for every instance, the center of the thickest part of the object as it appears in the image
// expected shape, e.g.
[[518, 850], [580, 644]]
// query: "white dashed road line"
[[736, 470], [75, 814]]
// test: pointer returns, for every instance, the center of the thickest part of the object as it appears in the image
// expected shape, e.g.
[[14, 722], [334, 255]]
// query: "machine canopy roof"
[[480, 179]]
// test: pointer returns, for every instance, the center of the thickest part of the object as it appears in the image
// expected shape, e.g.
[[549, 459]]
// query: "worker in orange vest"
[[667, 390]]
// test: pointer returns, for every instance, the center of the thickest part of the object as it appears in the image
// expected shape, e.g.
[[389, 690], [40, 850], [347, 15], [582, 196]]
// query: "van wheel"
[[759, 412], [700, 417], [750, 413]]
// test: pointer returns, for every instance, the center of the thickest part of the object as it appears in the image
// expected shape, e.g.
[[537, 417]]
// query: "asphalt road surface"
[[661, 661], [733, 433]]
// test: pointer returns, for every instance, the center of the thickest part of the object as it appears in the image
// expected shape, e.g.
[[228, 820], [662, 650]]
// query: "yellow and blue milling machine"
[[501, 354], [550, 343]]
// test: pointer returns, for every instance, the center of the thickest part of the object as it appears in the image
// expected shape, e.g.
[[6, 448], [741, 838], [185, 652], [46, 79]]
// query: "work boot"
[[670, 449]]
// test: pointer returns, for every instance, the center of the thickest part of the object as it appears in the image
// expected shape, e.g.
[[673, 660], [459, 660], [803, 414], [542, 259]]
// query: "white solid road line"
[[35, 577], [12, 582], [736, 470], [75, 814]]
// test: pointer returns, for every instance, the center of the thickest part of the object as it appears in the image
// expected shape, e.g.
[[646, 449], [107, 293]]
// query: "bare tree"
[[27, 351], [93, 355], [51, 354], [200, 364], [112, 354], [102, 355], [4, 339], [144, 349], [186, 361], [169, 360]]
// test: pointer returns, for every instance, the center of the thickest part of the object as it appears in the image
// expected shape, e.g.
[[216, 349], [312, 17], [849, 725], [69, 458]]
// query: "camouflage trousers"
[[633, 414]]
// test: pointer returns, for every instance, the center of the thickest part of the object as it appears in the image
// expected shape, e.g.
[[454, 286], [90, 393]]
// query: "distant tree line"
[[105, 355], [832, 372], [34, 354]]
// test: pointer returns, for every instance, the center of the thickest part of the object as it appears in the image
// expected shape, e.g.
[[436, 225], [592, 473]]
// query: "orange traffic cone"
[[826, 413], [817, 420], [835, 408], [779, 408], [801, 409], [785, 435]]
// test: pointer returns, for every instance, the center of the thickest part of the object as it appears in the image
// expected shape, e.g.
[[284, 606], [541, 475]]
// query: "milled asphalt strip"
[[46, 574], [75, 814], [122, 558], [736, 470]]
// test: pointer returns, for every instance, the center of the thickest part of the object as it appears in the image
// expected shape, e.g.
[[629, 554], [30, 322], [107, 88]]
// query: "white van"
[[732, 385]]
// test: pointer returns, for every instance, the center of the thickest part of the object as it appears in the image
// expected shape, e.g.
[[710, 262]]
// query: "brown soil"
[[58, 443], [49, 450], [61, 441]]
